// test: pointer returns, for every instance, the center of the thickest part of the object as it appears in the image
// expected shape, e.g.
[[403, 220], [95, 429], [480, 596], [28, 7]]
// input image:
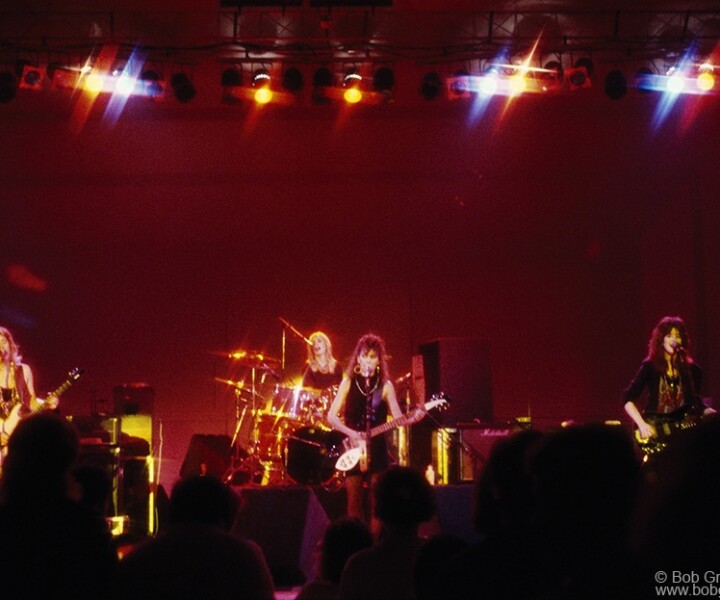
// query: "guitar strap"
[[22, 388]]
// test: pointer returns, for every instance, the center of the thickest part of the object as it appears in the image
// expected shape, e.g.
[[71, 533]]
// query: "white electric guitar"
[[356, 451], [8, 424]]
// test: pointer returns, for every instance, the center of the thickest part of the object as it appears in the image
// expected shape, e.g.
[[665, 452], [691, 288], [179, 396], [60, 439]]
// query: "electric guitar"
[[666, 425], [354, 452], [8, 424]]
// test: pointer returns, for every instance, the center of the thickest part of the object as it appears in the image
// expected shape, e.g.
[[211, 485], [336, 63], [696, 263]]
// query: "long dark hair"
[[656, 353], [368, 342]]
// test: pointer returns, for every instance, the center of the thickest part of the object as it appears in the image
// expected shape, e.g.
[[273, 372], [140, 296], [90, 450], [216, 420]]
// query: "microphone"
[[678, 347]]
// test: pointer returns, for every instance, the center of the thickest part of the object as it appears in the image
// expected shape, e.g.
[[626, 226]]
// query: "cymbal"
[[236, 384], [254, 359]]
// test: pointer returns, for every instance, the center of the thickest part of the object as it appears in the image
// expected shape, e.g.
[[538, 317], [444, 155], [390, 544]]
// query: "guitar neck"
[[402, 421], [62, 389], [385, 427]]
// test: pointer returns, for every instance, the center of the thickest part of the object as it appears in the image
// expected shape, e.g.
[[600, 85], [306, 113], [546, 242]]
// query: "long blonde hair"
[[15, 356], [312, 360]]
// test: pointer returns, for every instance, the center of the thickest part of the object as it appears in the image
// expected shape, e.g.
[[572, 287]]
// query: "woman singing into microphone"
[[670, 376], [364, 398]]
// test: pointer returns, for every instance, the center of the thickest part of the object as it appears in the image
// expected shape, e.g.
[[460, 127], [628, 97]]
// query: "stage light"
[[517, 84], [322, 80], [489, 83], [8, 87], [292, 80], [231, 77], [458, 86], [94, 83], [430, 86], [125, 85], [675, 83], [261, 82], [643, 80], [615, 85], [32, 78], [152, 83], [705, 80], [383, 79], [351, 82], [183, 89]]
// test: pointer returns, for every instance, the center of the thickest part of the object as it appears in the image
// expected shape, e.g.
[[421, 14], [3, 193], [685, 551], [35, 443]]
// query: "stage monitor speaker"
[[460, 369], [288, 524], [207, 455]]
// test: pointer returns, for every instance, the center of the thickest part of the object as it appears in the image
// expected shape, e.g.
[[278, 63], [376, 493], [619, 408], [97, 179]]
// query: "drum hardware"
[[250, 467]]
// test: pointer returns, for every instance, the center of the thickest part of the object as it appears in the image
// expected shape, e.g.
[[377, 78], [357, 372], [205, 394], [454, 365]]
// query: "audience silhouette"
[[403, 500], [342, 539], [51, 545], [197, 557]]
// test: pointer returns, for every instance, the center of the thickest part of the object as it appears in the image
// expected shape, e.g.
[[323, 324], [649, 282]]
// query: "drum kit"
[[280, 437]]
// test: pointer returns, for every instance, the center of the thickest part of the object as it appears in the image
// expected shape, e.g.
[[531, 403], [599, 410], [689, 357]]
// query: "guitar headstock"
[[75, 374], [439, 401]]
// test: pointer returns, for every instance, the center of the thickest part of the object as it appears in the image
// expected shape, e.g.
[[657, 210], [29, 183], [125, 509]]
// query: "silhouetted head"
[[403, 498], [203, 500], [342, 539], [41, 452]]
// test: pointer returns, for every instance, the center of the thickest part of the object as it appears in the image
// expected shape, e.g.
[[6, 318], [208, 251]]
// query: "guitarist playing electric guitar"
[[671, 380], [364, 398], [17, 390]]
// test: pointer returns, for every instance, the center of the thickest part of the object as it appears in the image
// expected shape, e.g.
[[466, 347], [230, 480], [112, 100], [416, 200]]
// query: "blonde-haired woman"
[[322, 370]]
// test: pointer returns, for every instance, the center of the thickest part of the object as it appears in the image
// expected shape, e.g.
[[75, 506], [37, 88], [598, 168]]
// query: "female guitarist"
[[17, 390], [364, 398], [671, 381]]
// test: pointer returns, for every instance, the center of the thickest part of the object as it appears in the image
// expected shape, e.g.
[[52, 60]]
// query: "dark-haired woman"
[[668, 377], [364, 399]]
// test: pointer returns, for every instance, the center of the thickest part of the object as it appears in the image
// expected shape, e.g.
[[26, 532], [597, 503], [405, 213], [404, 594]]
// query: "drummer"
[[322, 370]]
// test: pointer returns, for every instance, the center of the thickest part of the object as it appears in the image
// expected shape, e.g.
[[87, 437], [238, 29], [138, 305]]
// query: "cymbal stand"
[[250, 463]]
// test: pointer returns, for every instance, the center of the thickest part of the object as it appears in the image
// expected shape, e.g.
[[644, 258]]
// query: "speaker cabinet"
[[287, 523], [459, 453], [459, 368], [207, 455]]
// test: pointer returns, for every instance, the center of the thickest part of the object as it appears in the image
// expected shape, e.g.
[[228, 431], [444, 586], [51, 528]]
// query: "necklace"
[[372, 391]]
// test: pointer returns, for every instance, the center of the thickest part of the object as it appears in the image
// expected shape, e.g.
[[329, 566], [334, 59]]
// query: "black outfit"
[[664, 394], [9, 397], [354, 416], [320, 380]]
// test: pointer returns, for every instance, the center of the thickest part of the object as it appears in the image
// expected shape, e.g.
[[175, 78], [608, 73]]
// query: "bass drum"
[[311, 454]]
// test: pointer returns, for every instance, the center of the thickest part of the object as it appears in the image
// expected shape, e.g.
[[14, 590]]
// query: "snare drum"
[[311, 454]]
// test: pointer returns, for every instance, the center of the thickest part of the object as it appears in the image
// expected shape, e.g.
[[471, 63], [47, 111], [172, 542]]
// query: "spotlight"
[[32, 78], [152, 84], [553, 70], [292, 80], [351, 83], [615, 85], [8, 87], [430, 86], [458, 86], [643, 80], [322, 80], [183, 89], [261, 83], [383, 79], [706, 79], [231, 77]]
